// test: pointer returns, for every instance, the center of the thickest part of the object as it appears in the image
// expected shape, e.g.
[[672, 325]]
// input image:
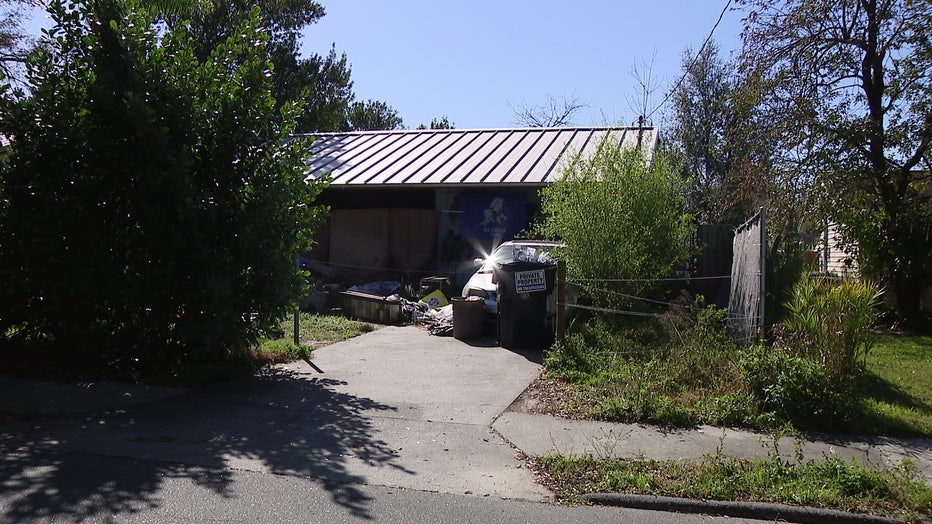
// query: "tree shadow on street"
[[280, 423]]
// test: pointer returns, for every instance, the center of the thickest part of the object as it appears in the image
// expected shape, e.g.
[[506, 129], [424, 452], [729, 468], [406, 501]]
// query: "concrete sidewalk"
[[539, 435]]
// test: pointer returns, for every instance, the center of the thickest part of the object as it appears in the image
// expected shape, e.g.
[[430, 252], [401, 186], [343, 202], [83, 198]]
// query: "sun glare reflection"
[[479, 248]]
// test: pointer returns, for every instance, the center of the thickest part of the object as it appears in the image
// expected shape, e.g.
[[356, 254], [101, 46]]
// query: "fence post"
[[297, 309], [763, 268], [561, 300]]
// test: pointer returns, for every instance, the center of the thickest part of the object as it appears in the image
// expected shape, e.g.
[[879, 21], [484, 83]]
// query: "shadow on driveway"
[[281, 423]]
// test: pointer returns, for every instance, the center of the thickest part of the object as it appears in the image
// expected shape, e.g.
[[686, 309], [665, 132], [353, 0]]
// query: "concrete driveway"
[[433, 402]]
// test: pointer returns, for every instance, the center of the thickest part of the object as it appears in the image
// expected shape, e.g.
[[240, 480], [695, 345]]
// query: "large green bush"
[[622, 217], [808, 377], [792, 389], [153, 205]]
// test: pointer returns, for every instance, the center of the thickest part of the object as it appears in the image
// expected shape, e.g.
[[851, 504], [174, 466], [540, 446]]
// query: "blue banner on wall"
[[492, 218]]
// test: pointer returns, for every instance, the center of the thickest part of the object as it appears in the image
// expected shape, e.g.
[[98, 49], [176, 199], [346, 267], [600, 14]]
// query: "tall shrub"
[[829, 321], [152, 205], [622, 218]]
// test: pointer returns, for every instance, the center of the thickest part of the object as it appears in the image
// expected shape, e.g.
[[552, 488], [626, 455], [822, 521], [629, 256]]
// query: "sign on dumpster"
[[527, 281]]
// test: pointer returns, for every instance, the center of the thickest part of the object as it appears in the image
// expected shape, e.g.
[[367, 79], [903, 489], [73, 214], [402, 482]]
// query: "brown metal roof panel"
[[490, 159], [328, 150], [578, 143], [338, 156], [512, 152], [380, 165], [407, 152], [498, 165], [490, 140], [567, 141], [414, 165], [412, 161], [438, 157], [530, 169], [355, 160], [517, 156], [457, 166], [438, 164]]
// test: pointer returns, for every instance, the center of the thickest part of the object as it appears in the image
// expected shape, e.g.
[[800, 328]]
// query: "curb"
[[750, 510]]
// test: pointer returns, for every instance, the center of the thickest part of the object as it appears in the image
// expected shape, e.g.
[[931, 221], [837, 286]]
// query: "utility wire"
[[691, 63], [383, 269], [670, 279], [606, 310]]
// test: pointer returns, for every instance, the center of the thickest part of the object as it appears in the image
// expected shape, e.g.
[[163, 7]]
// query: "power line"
[[692, 62], [606, 310], [670, 279]]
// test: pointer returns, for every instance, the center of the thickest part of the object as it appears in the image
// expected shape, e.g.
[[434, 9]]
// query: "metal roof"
[[441, 157]]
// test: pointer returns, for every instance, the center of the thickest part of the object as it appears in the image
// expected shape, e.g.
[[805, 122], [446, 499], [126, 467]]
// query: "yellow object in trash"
[[435, 299]]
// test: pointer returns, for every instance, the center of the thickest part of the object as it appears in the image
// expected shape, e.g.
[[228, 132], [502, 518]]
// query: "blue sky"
[[470, 60]]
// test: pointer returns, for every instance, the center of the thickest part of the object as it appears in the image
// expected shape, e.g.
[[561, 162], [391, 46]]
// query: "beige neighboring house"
[[832, 256]]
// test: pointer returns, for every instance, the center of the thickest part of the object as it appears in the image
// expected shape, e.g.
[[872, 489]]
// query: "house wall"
[[410, 233], [474, 221], [834, 259]]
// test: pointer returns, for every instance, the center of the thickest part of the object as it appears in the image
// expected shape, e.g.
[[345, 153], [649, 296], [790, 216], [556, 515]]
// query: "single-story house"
[[413, 203]]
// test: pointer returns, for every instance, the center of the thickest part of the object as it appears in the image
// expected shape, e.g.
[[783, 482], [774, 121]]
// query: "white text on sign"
[[528, 281]]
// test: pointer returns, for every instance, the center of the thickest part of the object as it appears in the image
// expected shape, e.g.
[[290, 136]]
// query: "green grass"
[[314, 331], [832, 483], [897, 387]]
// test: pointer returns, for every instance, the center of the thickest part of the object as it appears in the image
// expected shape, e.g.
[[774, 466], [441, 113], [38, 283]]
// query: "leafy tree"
[[180, 7], [438, 123], [13, 41], [703, 132], [373, 115], [846, 87], [323, 82], [622, 217], [282, 19], [151, 208]]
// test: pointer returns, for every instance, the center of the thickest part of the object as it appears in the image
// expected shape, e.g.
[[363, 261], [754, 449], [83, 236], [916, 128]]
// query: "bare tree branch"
[[552, 113], [647, 86]]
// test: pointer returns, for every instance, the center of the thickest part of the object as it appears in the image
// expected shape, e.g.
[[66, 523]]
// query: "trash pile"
[[439, 321], [433, 309]]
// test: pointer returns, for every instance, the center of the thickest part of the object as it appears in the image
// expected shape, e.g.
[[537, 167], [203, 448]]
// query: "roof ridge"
[[480, 130]]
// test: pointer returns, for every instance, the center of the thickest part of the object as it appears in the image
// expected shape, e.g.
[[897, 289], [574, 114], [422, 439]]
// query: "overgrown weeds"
[[682, 369], [678, 370]]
